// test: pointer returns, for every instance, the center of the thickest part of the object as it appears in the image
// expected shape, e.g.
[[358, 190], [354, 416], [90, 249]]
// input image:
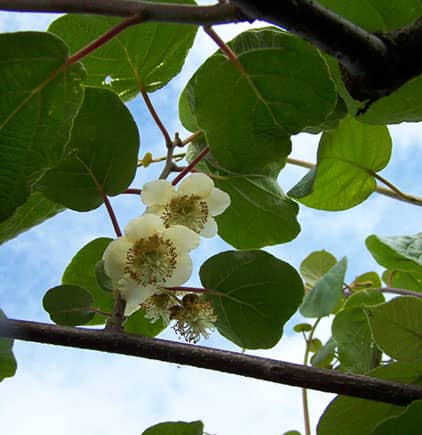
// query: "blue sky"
[[65, 391]]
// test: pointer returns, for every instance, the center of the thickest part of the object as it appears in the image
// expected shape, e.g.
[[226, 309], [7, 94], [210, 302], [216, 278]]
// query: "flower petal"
[[143, 227], [133, 294], [157, 192], [210, 228], [196, 184], [115, 258], [181, 273], [183, 238], [217, 201]]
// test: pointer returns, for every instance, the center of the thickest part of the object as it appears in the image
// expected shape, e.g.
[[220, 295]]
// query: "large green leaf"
[[404, 280], [147, 55], [321, 300], [258, 293], [397, 327], [176, 428], [360, 416], [248, 116], [403, 253], [316, 265], [104, 145], [68, 305], [260, 214], [348, 158], [38, 100], [8, 363], [81, 272], [35, 210], [406, 423]]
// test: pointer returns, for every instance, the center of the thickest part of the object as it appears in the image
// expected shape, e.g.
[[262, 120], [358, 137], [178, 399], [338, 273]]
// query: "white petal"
[[115, 258], [157, 192], [210, 228], [217, 202], [143, 227], [196, 184], [181, 273], [133, 294], [183, 238]]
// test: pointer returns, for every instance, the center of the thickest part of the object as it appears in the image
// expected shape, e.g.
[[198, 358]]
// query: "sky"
[[63, 391]]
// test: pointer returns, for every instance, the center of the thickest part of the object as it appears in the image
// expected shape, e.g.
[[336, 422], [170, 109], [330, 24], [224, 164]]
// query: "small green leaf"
[[321, 300], [147, 55], [35, 210], [316, 265], [397, 327], [139, 325], [404, 280], [348, 157], [302, 327], [406, 423], [397, 253], [292, 432], [360, 416], [82, 272], [366, 281], [363, 297], [8, 363], [323, 358], [258, 294], [37, 107], [103, 280], [315, 345], [284, 87], [176, 428], [68, 305], [105, 144], [357, 351]]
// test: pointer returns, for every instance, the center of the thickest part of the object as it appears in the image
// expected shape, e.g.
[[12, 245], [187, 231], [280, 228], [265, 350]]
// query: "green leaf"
[[302, 327], [38, 104], [366, 281], [258, 294], [406, 423], [322, 359], [397, 327], [81, 272], [357, 351], [348, 158], [103, 280], [105, 144], [139, 325], [35, 210], [360, 416], [363, 297], [147, 55], [398, 253], [176, 428], [321, 300], [316, 265], [404, 280], [292, 432], [285, 86], [8, 363], [254, 198], [68, 305], [315, 345]]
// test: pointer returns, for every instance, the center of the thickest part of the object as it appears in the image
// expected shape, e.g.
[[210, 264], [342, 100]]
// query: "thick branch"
[[374, 64], [224, 361], [161, 12]]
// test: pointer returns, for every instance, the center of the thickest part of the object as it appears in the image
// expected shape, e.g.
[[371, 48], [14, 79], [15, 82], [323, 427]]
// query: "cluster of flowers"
[[152, 258]]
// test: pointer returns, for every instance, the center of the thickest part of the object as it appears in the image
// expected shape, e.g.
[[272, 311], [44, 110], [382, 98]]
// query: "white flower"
[[193, 205], [147, 257]]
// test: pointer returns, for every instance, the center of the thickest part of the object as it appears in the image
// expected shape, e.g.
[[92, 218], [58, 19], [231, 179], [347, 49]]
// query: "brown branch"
[[230, 362], [222, 13]]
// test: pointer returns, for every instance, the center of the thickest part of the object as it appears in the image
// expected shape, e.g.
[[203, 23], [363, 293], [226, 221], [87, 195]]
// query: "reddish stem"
[[112, 215], [191, 165], [133, 191]]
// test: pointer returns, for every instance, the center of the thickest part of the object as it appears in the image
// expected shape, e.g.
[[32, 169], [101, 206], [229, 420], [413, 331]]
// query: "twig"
[[191, 165], [230, 362]]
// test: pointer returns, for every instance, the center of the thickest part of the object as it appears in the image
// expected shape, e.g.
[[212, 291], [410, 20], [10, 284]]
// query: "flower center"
[[151, 261], [187, 210]]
